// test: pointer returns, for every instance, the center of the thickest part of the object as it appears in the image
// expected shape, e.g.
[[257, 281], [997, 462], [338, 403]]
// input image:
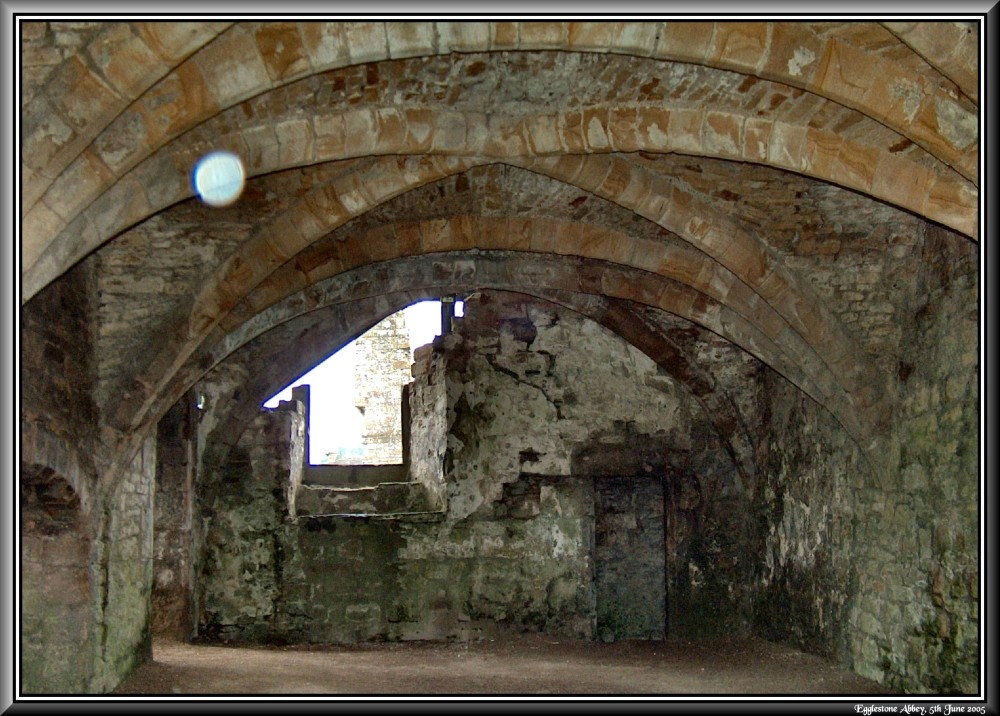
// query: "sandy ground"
[[525, 664]]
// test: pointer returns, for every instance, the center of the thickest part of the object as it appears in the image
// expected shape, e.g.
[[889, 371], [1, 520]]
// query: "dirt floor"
[[524, 664]]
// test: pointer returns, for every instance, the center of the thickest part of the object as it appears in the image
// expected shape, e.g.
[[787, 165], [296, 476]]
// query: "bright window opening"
[[355, 394]]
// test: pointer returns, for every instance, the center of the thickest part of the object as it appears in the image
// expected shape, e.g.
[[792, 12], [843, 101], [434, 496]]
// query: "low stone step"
[[391, 500], [354, 475]]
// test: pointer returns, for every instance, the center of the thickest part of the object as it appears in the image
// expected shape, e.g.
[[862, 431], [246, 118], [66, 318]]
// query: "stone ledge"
[[391, 500]]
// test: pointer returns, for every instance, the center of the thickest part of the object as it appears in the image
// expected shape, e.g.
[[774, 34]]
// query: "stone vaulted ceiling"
[[695, 186]]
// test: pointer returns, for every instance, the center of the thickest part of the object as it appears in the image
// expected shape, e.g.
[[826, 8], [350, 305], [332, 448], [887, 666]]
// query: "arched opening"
[[354, 414]]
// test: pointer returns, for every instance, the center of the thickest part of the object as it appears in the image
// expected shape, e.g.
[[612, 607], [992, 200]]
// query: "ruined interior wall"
[[58, 485], [88, 606], [56, 611], [173, 582], [516, 416], [524, 565], [428, 410], [544, 392], [57, 375], [244, 509], [926, 563], [122, 573], [808, 515], [710, 549], [876, 565]]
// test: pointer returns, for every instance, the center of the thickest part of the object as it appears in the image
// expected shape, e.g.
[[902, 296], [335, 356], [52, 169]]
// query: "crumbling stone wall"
[[58, 374], [533, 423], [523, 564], [122, 570], [243, 509], [629, 558], [808, 519], [88, 566], [925, 561], [875, 564], [173, 583], [517, 415], [56, 617], [545, 392], [428, 412], [86, 581], [57, 485]]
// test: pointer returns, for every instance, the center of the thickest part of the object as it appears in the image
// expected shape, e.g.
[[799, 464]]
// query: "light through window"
[[355, 394]]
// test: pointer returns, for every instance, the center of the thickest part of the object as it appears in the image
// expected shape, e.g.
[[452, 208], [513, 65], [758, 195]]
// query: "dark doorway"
[[629, 564]]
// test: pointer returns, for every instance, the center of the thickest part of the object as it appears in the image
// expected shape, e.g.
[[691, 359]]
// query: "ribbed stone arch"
[[460, 272], [328, 207], [655, 199], [796, 54], [103, 203], [89, 89], [701, 278], [586, 275], [330, 327], [48, 452], [951, 48], [457, 274], [70, 210]]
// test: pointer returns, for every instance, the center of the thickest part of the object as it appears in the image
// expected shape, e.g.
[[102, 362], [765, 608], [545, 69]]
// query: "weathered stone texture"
[[515, 544], [629, 558], [122, 567], [57, 360], [243, 509], [381, 369], [781, 217], [45, 45], [174, 537], [878, 562], [104, 584], [56, 590], [933, 492], [144, 275]]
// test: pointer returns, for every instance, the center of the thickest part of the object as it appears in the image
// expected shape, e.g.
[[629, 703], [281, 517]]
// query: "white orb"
[[218, 178]]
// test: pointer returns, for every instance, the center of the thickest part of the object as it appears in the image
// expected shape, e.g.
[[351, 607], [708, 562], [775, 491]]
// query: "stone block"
[[126, 60], [325, 44], [740, 44], [282, 49], [411, 39], [233, 69], [685, 41], [366, 41]]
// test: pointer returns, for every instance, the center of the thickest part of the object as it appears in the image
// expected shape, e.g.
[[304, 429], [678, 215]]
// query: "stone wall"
[[924, 560], [629, 558], [808, 519], [58, 375], [243, 509], [87, 542], [535, 390], [173, 547], [56, 610], [122, 570], [876, 564], [574, 476], [528, 421], [87, 582]]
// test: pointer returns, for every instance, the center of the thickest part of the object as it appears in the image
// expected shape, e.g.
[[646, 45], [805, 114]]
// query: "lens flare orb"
[[218, 178]]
